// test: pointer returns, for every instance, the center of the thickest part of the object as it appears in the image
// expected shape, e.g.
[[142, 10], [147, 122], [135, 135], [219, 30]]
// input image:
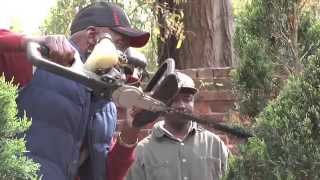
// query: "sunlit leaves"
[[171, 22], [180, 1], [59, 19]]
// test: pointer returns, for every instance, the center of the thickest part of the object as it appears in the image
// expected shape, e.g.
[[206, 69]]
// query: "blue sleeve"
[[103, 124], [100, 131]]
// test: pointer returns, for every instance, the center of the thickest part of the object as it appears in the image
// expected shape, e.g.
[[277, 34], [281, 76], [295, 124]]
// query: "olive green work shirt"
[[202, 155]]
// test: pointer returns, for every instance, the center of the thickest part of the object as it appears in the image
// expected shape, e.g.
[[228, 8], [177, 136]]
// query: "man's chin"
[[178, 121]]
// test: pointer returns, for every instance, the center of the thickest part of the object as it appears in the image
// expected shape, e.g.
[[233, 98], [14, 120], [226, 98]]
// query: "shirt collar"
[[159, 130]]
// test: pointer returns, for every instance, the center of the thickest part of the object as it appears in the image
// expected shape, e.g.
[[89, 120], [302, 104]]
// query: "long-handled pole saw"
[[107, 86]]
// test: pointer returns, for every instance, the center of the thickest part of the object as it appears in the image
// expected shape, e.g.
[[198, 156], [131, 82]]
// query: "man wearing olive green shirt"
[[178, 149]]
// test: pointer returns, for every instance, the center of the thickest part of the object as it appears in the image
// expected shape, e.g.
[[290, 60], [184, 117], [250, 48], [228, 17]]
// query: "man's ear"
[[92, 37]]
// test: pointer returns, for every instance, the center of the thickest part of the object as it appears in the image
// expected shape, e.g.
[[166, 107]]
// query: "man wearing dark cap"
[[68, 121], [97, 19]]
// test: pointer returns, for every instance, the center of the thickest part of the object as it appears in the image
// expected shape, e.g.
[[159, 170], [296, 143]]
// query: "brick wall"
[[214, 100]]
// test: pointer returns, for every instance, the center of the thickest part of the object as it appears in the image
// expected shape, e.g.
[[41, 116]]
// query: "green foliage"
[[142, 17], [61, 15], [170, 20], [272, 39], [253, 158], [16, 25], [286, 146], [13, 163], [253, 79], [287, 142], [238, 6], [309, 34]]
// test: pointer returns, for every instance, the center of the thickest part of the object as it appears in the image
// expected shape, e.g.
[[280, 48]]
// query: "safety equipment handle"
[[76, 72], [123, 95]]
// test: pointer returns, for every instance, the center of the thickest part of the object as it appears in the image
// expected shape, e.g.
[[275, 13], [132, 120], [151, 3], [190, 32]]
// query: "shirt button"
[[185, 178], [182, 144], [184, 160]]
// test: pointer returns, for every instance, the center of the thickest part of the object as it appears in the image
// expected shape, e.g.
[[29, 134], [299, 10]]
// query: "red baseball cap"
[[106, 14]]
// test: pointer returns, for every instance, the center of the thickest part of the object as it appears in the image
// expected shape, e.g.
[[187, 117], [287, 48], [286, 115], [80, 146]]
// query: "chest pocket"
[[214, 167], [158, 170]]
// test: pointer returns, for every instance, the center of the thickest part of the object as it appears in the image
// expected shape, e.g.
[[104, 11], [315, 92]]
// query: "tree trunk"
[[208, 26], [209, 30]]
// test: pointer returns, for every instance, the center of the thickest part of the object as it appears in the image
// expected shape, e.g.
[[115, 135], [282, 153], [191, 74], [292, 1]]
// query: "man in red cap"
[[68, 120], [99, 18]]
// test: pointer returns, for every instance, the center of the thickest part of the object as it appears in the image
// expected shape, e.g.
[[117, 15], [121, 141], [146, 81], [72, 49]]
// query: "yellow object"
[[103, 56]]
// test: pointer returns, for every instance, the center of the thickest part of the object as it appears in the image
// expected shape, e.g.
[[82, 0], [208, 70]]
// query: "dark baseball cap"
[[106, 14]]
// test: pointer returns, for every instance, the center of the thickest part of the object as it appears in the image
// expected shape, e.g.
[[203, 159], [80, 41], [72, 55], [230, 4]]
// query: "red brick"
[[214, 116], [214, 84], [216, 95], [222, 72], [210, 72], [218, 117], [204, 73], [193, 73], [220, 106], [202, 107]]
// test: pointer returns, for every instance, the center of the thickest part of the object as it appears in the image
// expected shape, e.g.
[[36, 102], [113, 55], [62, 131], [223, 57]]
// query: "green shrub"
[[253, 78], [287, 142], [270, 49], [14, 165]]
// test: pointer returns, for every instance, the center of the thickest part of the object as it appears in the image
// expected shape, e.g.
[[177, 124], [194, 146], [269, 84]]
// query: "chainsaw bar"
[[168, 88], [236, 131]]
